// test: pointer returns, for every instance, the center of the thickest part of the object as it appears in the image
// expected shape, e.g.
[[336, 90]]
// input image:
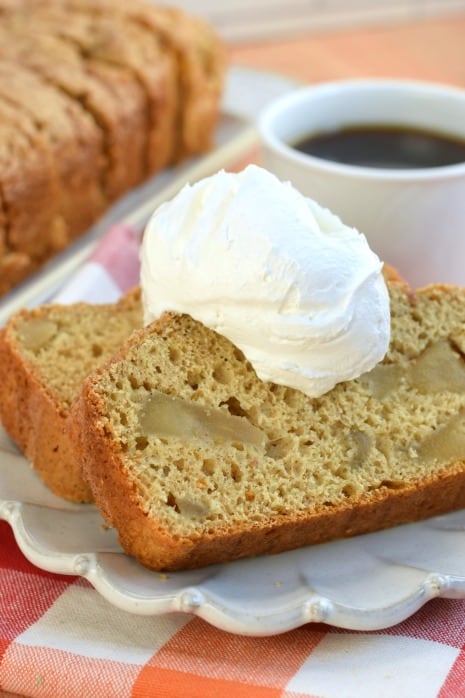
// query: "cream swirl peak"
[[301, 294]]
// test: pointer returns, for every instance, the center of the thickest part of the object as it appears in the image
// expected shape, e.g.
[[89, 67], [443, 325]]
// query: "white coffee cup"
[[413, 219]]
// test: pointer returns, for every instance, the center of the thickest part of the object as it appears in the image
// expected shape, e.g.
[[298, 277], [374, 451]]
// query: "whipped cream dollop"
[[301, 294]]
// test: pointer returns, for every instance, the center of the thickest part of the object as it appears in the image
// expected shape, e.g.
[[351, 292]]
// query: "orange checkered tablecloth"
[[60, 639]]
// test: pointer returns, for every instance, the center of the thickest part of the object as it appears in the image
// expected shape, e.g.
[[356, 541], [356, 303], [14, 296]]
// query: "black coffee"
[[400, 147]]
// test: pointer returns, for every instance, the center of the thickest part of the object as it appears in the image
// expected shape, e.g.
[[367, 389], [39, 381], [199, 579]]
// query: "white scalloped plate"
[[363, 583]]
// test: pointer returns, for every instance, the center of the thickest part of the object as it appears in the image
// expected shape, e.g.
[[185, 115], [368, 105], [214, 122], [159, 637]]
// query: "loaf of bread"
[[95, 97], [45, 354], [194, 460]]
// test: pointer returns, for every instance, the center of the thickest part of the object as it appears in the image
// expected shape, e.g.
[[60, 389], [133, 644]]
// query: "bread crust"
[[75, 146], [115, 91]]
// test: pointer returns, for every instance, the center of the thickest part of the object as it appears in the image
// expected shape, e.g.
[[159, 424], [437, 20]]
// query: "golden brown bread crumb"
[[114, 101], [112, 92], [195, 461], [75, 146], [45, 354]]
